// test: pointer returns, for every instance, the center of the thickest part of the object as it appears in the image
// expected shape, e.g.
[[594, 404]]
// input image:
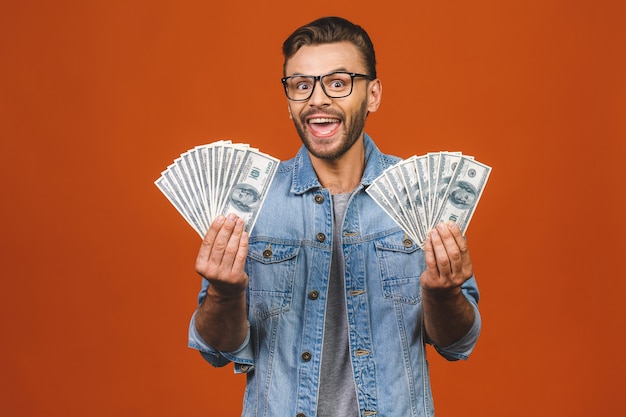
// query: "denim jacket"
[[288, 266]]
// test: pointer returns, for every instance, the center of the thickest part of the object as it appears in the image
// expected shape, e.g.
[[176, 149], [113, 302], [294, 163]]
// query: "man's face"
[[327, 126], [463, 197], [244, 196]]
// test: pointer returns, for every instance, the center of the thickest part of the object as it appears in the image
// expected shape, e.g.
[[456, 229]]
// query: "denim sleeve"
[[241, 357], [461, 349]]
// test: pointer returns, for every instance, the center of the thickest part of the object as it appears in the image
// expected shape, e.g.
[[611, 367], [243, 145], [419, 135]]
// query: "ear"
[[374, 95], [289, 110]]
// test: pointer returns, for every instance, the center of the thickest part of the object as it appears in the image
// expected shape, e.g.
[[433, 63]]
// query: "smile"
[[323, 126], [322, 120]]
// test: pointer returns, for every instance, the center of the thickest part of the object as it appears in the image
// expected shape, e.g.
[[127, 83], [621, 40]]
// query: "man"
[[462, 195], [245, 197], [327, 305]]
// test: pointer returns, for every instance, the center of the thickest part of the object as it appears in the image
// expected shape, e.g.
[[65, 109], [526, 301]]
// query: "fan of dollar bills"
[[218, 178], [422, 191]]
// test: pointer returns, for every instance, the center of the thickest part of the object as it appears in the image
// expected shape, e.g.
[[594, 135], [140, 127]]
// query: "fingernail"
[[231, 217], [441, 226]]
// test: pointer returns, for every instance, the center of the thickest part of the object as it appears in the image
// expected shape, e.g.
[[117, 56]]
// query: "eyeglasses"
[[336, 84]]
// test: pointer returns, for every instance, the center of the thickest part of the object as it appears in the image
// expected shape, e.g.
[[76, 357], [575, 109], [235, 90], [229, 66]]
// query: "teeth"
[[323, 120]]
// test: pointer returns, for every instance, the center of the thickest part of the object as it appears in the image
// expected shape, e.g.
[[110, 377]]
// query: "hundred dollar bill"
[[178, 184], [403, 183], [213, 155], [411, 178], [218, 178], [232, 160], [381, 193], [421, 191], [201, 164], [465, 189], [410, 182], [447, 164], [433, 168], [246, 196], [191, 169], [421, 166], [165, 187], [185, 174]]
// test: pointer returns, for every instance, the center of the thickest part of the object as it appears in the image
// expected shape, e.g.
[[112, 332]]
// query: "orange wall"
[[98, 97]]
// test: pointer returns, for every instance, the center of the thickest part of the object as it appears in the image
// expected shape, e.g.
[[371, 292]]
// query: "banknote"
[[402, 182], [217, 179], [168, 190], [465, 189], [422, 191], [447, 163], [421, 165], [245, 195], [380, 193]]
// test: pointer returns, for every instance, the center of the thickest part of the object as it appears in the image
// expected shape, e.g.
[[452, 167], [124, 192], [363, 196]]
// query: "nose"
[[318, 97]]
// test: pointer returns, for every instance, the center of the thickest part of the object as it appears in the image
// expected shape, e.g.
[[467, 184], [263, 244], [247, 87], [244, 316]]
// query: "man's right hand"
[[221, 318], [222, 256]]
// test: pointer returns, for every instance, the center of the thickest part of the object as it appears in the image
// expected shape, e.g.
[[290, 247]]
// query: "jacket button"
[[306, 356], [267, 253], [300, 415], [313, 294], [321, 237], [407, 243], [319, 199]]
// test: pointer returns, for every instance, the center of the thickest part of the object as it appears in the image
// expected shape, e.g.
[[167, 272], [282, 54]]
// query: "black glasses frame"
[[318, 79]]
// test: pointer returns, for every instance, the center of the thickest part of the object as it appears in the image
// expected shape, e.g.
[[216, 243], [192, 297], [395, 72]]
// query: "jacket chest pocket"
[[400, 265], [271, 269]]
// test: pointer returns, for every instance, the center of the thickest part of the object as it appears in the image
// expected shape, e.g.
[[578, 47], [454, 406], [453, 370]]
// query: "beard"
[[351, 132]]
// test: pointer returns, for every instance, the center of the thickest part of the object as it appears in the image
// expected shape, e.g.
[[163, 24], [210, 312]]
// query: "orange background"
[[98, 97]]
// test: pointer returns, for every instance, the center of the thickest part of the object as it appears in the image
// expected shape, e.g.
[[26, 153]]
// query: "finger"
[[242, 254], [209, 261], [458, 237], [232, 246], [451, 246], [466, 261], [209, 237], [230, 275], [429, 255], [441, 254], [222, 240], [431, 273], [208, 242]]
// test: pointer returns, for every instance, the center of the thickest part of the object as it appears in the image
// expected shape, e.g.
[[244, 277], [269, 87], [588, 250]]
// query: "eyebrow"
[[340, 69]]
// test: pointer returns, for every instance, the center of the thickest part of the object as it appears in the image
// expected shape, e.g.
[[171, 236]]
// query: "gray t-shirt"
[[337, 395]]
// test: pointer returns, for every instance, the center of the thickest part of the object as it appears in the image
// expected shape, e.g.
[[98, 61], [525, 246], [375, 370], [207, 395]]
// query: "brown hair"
[[331, 30]]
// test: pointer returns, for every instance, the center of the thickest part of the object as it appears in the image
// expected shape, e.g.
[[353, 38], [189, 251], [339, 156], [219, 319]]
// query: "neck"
[[341, 175]]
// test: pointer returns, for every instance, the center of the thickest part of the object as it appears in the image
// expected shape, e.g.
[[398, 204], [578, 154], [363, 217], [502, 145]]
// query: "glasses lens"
[[338, 84], [299, 87]]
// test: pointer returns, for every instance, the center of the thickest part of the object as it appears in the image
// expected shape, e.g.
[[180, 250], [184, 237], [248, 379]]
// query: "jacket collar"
[[305, 179]]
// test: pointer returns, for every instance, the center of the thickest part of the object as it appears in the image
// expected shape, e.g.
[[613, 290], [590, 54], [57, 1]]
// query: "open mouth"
[[323, 126]]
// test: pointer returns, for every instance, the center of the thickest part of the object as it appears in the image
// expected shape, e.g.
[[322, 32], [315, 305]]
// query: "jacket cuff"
[[242, 357]]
